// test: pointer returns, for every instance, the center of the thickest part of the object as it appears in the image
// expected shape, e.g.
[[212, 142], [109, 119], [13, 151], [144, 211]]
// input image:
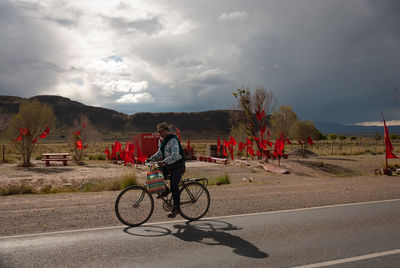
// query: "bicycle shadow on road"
[[204, 230], [147, 231]]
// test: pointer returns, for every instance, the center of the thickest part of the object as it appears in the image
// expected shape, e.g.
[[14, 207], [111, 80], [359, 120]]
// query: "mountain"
[[335, 128], [112, 123]]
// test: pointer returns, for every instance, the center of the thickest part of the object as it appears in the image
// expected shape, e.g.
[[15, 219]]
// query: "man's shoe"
[[173, 213]]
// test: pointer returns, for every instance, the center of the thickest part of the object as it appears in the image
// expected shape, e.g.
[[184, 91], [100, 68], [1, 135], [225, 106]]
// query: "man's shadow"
[[201, 231]]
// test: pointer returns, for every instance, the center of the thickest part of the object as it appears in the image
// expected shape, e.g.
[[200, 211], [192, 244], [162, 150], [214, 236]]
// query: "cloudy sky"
[[335, 60]]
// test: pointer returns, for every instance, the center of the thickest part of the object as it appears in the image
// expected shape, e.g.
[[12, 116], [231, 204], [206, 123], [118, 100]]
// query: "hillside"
[[112, 123]]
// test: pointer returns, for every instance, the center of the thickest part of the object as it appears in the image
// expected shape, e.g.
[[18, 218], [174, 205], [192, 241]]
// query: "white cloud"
[[136, 98], [237, 15], [114, 86], [378, 123]]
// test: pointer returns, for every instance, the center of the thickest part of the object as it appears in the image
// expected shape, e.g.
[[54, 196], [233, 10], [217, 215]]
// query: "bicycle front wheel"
[[195, 201], [134, 206]]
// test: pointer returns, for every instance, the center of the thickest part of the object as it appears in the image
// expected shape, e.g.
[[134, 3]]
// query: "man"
[[171, 161]]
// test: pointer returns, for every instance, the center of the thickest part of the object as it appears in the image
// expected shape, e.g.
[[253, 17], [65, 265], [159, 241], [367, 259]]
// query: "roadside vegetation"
[[90, 186], [220, 180]]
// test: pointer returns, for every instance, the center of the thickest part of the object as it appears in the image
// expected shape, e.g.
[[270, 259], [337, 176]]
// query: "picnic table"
[[62, 157]]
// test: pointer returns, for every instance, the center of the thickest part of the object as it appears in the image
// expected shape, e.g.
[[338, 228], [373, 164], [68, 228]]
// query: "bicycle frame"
[[193, 198]]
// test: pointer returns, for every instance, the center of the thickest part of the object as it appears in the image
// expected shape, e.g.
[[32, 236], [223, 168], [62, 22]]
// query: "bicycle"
[[135, 205]]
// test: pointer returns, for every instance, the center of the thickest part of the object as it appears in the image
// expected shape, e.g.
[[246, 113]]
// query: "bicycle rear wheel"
[[195, 201], [134, 205]]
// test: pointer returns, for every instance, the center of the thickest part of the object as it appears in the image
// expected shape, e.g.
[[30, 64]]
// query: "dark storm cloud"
[[24, 52], [330, 60]]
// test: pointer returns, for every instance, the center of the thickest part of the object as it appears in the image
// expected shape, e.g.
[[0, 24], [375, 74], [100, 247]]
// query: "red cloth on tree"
[[78, 144], [260, 115]]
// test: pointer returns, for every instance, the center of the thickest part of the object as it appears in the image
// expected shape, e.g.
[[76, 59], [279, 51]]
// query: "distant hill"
[[199, 125], [112, 123], [329, 127]]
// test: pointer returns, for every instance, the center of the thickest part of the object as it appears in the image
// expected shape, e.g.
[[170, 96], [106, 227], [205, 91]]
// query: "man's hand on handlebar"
[[161, 163]]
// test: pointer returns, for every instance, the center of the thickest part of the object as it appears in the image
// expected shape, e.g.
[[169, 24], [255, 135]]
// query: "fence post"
[[4, 148]]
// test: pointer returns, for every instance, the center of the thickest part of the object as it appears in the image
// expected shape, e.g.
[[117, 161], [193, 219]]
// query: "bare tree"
[[33, 122], [248, 104]]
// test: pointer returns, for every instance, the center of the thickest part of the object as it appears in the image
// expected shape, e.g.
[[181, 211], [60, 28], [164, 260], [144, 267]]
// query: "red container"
[[148, 143]]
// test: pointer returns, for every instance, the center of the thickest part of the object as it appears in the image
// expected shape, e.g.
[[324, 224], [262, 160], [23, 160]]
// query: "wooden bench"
[[62, 157]]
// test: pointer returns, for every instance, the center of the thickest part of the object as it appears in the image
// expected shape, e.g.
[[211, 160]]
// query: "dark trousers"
[[176, 170]]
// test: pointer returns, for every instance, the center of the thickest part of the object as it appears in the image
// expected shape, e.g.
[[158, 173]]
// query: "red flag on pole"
[[310, 141], [388, 143]]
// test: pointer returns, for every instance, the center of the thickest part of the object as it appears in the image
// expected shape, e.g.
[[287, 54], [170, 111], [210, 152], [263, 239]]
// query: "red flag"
[[140, 156], [107, 152], [45, 132], [224, 145], [117, 146], [188, 146], [178, 133], [241, 146], [232, 141], [310, 141], [78, 144], [18, 138], [23, 131], [388, 143], [260, 115], [262, 129], [249, 142], [279, 146]]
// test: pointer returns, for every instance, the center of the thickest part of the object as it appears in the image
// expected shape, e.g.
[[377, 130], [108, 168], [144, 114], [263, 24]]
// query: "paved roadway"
[[354, 235]]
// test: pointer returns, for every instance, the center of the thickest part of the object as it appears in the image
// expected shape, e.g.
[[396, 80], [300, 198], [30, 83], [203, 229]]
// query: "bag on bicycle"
[[155, 182]]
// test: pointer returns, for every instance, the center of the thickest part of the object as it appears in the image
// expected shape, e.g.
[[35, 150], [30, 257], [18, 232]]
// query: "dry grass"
[[130, 178]]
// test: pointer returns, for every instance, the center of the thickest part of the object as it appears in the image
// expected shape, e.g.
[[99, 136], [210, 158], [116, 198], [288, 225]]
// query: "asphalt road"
[[355, 235]]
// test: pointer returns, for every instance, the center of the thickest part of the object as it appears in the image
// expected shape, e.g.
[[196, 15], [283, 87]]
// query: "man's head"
[[163, 129]]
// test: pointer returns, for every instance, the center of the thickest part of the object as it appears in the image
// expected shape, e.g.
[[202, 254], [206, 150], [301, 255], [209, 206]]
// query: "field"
[[358, 158], [86, 193]]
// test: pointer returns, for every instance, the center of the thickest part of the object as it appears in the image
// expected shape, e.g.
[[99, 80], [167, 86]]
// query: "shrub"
[[97, 157], [223, 179], [17, 189], [128, 179]]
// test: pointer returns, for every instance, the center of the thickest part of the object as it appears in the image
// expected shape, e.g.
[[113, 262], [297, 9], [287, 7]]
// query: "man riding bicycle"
[[171, 161]]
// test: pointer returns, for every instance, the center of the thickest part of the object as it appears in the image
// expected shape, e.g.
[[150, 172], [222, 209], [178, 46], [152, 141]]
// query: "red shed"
[[148, 143]]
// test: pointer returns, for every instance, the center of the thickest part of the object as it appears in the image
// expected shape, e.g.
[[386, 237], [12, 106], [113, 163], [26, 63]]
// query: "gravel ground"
[[311, 182]]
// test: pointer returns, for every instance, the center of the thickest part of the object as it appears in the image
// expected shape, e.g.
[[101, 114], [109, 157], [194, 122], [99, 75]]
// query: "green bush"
[[220, 180]]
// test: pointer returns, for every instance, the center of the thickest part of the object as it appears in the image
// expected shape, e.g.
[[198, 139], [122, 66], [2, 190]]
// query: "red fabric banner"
[[260, 115], [388, 143], [78, 144], [310, 141]]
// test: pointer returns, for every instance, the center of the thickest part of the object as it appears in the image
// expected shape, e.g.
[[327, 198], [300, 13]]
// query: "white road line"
[[203, 219], [352, 259]]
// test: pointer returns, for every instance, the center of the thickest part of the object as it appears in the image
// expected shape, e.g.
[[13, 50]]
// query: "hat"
[[162, 126]]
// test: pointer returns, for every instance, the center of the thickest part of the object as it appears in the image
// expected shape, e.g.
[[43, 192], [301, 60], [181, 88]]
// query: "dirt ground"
[[310, 182]]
